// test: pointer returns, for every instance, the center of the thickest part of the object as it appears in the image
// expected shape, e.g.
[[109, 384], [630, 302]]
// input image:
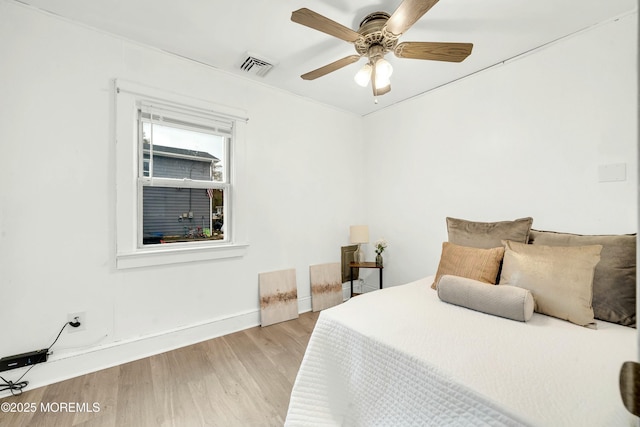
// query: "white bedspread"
[[401, 356]]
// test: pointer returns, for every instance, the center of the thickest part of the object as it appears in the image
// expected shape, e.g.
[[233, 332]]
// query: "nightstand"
[[353, 265]]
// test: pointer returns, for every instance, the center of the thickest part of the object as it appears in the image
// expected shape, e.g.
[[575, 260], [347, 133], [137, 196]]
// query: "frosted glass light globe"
[[363, 76], [383, 68]]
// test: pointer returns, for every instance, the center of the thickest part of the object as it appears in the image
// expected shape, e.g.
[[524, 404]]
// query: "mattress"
[[400, 356]]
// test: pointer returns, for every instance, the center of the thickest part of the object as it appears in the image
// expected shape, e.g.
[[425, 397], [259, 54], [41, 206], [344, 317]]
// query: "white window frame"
[[129, 252]]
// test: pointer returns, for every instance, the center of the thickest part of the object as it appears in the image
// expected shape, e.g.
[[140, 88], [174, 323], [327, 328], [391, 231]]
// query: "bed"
[[403, 356], [400, 356]]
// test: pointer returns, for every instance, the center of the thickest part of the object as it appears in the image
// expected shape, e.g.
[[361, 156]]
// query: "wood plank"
[[282, 350], [302, 329], [136, 403], [101, 388], [170, 377], [58, 394], [242, 392], [273, 386]]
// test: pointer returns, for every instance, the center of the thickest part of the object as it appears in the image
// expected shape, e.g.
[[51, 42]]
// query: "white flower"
[[380, 245]]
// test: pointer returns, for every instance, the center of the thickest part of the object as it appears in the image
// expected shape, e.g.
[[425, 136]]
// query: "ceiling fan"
[[378, 34]]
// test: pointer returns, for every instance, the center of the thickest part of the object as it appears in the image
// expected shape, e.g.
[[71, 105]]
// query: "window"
[[175, 172], [183, 178]]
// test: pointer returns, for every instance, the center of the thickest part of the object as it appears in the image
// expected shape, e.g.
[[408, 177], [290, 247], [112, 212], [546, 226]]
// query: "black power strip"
[[24, 359]]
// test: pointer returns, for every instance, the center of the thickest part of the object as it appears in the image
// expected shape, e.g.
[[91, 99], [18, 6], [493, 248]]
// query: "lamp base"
[[358, 255]]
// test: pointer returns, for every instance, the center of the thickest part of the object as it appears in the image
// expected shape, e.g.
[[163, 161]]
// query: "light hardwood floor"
[[241, 379]]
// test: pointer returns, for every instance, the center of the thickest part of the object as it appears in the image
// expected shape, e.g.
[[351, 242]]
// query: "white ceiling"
[[220, 33]]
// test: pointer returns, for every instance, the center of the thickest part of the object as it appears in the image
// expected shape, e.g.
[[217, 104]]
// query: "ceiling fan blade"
[[434, 51], [378, 91], [384, 90], [407, 14], [319, 22], [329, 68]]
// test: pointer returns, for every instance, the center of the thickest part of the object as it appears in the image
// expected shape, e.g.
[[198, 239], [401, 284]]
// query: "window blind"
[[187, 118]]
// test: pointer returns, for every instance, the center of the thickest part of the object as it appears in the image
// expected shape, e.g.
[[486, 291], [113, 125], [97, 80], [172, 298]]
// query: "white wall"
[[57, 198], [521, 139]]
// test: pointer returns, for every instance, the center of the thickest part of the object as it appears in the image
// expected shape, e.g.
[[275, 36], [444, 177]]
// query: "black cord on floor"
[[17, 386]]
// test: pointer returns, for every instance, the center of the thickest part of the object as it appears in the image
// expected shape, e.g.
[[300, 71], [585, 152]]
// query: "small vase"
[[379, 260]]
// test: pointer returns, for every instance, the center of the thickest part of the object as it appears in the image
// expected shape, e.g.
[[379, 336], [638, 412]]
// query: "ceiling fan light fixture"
[[363, 76], [383, 69]]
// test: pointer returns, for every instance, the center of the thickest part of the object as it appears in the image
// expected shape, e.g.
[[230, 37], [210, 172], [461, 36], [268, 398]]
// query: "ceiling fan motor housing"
[[374, 35]]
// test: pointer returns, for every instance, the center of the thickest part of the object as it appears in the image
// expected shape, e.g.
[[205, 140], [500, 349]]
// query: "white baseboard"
[[368, 287], [304, 304], [65, 365]]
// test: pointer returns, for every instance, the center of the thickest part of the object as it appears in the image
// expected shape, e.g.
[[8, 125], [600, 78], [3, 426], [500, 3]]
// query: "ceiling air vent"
[[253, 64]]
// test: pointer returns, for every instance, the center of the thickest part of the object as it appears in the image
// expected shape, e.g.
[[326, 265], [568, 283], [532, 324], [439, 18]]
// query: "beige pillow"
[[614, 281], [473, 263], [487, 234], [510, 302], [560, 278]]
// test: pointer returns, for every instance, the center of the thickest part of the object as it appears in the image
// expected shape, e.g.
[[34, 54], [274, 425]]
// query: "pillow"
[[487, 234], [560, 278], [510, 302], [614, 281], [473, 263]]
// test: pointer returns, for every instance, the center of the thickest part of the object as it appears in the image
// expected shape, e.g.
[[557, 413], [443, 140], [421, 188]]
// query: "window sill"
[[151, 257]]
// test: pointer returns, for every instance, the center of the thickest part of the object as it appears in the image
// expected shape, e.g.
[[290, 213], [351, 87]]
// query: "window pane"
[[171, 215], [181, 153]]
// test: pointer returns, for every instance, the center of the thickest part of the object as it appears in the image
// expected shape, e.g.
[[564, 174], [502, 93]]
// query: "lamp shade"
[[359, 234]]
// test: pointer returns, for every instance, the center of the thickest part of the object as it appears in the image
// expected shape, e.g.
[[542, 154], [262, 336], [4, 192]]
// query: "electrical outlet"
[[82, 318]]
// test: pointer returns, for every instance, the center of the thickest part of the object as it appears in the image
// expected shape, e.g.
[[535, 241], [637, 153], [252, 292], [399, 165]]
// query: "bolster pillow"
[[507, 301]]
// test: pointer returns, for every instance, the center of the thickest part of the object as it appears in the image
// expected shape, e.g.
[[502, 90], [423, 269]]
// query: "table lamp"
[[359, 234]]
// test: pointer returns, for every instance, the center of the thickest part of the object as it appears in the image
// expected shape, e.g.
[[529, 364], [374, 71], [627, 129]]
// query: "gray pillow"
[[614, 280], [487, 235], [505, 301]]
